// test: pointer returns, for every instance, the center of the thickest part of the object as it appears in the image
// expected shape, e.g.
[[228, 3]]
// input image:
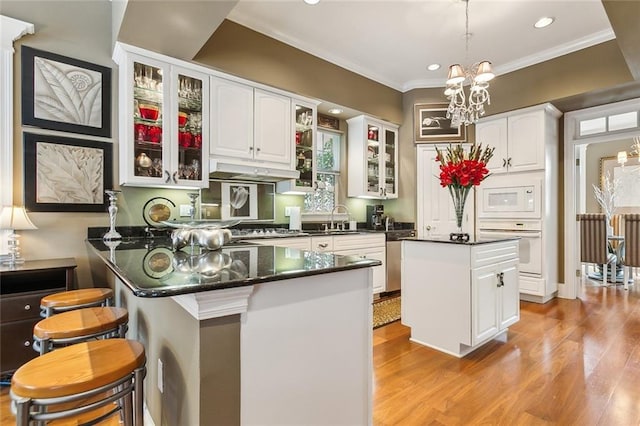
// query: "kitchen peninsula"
[[248, 334], [457, 296]]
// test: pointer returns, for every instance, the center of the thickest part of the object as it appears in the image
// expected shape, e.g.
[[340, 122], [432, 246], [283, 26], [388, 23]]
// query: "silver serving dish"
[[206, 238]]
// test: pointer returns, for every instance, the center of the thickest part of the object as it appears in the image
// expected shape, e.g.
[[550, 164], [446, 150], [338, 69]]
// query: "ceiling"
[[392, 42]]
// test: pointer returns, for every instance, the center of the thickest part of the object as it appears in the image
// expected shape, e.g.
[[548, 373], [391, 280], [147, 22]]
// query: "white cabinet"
[[162, 105], [370, 246], [250, 125], [372, 158], [521, 138], [495, 300], [469, 290]]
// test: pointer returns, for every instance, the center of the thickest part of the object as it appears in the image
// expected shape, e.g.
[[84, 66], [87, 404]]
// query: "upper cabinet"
[[251, 126], [163, 111], [520, 138], [373, 158]]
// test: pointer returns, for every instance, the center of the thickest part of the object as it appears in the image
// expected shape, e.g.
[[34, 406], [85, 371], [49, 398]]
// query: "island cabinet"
[[21, 288], [373, 158], [164, 133], [458, 296]]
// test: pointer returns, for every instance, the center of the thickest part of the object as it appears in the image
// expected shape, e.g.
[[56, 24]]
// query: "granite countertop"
[[472, 242], [150, 268]]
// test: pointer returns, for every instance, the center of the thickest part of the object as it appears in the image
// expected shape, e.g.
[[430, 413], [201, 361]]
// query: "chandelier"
[[466, 109]]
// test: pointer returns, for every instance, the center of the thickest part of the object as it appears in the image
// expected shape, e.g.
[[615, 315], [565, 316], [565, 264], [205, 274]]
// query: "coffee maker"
[[375, 217]]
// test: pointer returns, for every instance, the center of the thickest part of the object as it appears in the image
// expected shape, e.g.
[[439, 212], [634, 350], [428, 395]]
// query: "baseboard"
[[537, 299]]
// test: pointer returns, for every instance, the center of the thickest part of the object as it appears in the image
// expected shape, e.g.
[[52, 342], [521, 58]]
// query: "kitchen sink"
[[334, 232]]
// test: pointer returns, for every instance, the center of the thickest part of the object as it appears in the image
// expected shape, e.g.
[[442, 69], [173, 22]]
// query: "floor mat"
[[386, 311]]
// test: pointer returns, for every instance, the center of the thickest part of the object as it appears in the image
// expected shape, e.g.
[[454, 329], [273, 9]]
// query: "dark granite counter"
[[474, 242], [149, 268]]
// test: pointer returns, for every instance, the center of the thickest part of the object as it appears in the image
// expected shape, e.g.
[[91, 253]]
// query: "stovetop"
[[247, 233]]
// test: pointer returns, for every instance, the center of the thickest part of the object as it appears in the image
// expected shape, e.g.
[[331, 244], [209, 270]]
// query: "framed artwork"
[[239, 200], [432, 125], [628, 177], [65, 94], [65, 174]]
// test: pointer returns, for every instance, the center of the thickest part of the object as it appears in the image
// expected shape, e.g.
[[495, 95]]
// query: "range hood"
[[221, 169]]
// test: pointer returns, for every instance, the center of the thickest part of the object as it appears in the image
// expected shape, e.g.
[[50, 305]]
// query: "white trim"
[[216, 303], [573, 146], [10, 31]]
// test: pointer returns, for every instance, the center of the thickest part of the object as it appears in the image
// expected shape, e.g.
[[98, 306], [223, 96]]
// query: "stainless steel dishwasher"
[[394, 245]]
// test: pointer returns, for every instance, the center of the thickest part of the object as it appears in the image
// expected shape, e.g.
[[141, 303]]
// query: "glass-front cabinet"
[[161, 122], [373, 158], [304, 131]]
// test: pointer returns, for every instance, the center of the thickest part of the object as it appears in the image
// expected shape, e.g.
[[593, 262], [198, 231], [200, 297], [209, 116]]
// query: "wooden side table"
[[21, 288]]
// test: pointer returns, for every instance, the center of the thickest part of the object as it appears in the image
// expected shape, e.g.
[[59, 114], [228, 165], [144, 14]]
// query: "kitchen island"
[[457, 296], [248, 334]]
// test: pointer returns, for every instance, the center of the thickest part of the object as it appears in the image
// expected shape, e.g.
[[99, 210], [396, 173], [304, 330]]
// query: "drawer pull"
[[27, 307], [27, 343], [323, 245]]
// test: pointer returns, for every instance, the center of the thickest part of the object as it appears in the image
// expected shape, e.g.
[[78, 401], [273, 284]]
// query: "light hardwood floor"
[[567, 362]]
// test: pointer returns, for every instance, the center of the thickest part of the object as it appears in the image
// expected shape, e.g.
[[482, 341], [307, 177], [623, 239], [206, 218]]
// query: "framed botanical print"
[[239, 200], [65, 94], [432, 125], [65, 174]]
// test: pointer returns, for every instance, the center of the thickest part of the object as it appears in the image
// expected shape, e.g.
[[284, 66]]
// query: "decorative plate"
[[158, 262], [158, 210]]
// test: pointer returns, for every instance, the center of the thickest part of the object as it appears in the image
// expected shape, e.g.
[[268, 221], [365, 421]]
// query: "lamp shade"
[[485, 72], [622, 157], [456, 74], [15, 218]]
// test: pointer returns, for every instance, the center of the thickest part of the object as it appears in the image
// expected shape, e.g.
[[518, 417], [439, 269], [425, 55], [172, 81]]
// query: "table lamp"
[[16, 219]]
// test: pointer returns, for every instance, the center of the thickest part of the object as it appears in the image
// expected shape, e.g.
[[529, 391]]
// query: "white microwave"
[[517, 201]]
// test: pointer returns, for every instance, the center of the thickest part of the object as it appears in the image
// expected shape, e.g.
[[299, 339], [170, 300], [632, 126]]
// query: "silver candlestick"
[[193, 196], [113, 210]]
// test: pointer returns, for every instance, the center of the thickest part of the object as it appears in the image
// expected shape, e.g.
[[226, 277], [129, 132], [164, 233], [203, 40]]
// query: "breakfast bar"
[[248, 334]]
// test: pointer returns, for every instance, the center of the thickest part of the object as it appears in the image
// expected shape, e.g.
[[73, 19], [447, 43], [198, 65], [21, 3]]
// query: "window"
[[325, 196]]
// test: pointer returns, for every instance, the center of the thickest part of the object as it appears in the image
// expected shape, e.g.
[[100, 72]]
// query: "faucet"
[[335, 210]]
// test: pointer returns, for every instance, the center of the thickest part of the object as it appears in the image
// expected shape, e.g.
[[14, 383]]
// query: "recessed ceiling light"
[[433, 67], [311, 1], [544, 22], [335, 111]]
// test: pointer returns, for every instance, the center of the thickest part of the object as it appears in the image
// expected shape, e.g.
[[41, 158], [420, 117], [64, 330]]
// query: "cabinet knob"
[[27, 307], [250, 148], [504, 162], [500, 279], [175, 180], [258, 149], [27, 343], [428, 228], [168, 176], [509, 162]]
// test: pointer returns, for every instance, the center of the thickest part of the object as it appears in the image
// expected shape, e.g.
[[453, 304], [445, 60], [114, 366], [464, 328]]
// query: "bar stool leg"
[[127, 410], [138, 389], [22, 407]]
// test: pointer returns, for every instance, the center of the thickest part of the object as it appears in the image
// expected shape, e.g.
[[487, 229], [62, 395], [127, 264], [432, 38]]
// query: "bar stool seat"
[[85, 376], [75, 299], [79, 325]]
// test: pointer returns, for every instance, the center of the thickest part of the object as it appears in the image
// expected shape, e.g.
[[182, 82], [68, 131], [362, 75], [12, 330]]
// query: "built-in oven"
[[530, 234], [510, 198]]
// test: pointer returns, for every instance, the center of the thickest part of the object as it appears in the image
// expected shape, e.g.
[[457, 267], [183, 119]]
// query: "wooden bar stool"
[[79, 325], [75, 299], [83, 380]]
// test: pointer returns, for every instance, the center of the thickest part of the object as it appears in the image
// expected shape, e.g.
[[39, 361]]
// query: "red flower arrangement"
[[460, 171]]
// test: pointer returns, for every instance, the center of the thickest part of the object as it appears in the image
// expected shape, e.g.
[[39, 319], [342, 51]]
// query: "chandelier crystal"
[[467, 109]]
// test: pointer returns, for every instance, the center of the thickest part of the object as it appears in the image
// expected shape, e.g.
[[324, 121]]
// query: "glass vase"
[[459, 196]]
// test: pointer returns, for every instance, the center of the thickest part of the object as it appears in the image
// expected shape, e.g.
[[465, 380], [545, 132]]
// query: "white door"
[[231, 119], [436, 216], [494, 133]]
